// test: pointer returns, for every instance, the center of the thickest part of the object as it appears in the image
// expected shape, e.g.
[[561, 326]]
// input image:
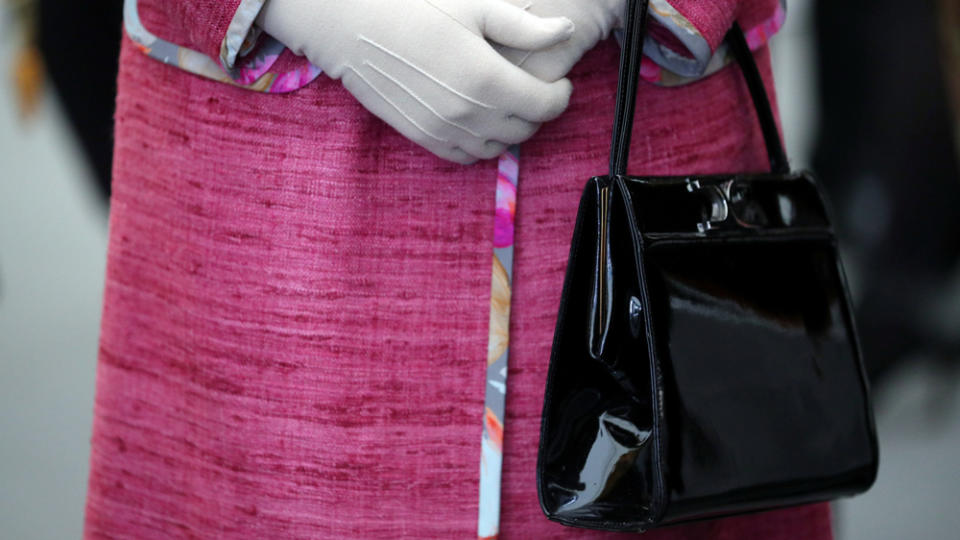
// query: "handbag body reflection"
[[705, 360]]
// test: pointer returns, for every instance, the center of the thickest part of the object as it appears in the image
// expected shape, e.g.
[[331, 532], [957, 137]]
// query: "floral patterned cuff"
[[248, 56], [675, 52], [689, 55], [242, 35]]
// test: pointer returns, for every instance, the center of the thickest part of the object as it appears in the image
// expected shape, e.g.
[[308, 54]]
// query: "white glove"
[[424, 67], [594, 19]]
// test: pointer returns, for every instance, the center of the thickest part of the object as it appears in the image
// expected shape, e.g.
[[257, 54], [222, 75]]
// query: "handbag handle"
[[630, 59]]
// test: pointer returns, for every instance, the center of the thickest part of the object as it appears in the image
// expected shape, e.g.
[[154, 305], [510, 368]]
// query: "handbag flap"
[[764, 397]]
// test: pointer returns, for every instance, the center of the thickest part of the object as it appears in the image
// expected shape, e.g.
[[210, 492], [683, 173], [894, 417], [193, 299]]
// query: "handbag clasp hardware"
[[718, 198], [732, 199]]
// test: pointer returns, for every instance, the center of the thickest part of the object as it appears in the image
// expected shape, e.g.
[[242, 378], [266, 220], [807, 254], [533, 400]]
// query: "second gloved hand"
[[425, 66], [594, 20]]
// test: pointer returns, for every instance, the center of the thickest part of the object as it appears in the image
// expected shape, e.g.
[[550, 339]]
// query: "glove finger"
[[523, 94], [547, 66], [382, 107], [456, 155], [515, 130], [511, 25], [483, 149], [550, 67]]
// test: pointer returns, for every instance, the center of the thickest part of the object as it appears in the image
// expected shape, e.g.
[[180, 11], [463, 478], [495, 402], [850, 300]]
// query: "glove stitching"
[[529, 53], [392, 104], [441, 10], [424, 73], [524, 59], [421, 101]]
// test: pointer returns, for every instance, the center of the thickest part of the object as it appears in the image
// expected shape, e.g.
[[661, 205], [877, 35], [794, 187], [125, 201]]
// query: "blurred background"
[[868, 93]]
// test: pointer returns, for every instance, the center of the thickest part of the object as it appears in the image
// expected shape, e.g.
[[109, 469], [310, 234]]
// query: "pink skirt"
[[294, 335]]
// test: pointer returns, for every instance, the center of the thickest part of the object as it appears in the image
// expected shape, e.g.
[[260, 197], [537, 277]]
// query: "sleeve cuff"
[[241, 33], [684, 40], [675, 42], [260, 62]]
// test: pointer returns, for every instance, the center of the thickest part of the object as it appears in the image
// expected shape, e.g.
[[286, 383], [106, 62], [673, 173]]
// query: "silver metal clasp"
[[718, 196]]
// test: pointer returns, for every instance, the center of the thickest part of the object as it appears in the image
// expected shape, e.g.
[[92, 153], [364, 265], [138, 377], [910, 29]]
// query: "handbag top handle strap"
[[630, 59]]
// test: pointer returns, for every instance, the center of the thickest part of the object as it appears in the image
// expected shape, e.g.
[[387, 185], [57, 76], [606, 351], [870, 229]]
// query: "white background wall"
[[52, 255], [52, 252]]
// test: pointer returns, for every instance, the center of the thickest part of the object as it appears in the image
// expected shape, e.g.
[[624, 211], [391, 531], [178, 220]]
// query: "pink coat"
[[297, 302]]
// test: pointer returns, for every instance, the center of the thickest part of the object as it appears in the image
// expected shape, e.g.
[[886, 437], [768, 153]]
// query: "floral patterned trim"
[[241, 33], [686, 66], [252, 66], [673, 69], [498, 344]]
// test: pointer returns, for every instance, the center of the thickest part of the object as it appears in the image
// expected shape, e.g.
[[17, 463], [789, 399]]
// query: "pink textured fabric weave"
[[714, 18], [295, 316], [198, 24]]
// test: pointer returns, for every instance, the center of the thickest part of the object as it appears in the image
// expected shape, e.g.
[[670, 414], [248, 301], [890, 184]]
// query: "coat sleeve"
[[216, 39], [217, 28], [685, 37]]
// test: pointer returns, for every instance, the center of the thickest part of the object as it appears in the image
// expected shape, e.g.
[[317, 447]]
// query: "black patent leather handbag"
[[705, 361]]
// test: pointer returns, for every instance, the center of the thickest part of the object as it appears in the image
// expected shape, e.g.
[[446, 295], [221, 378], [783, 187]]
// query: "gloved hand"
[[425, 68], [594, 19]]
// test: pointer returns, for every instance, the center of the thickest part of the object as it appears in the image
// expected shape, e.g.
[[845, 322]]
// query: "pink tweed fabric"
[[202, 23], [714, 18], [296, 308]]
